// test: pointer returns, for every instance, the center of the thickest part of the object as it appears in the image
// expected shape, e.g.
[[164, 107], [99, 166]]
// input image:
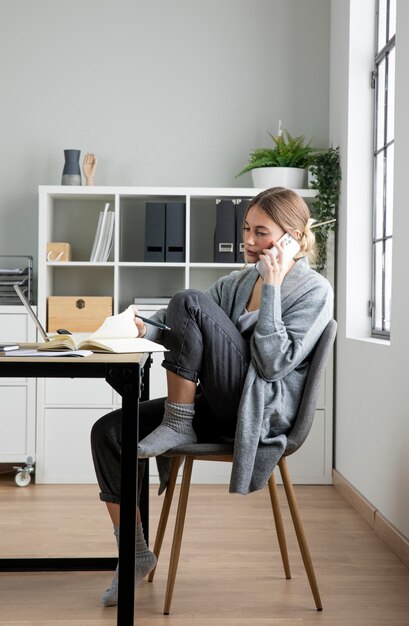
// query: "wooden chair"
[[224, 452]]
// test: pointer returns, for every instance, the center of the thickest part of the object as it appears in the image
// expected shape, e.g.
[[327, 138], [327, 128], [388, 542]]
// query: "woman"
[[238, 356]]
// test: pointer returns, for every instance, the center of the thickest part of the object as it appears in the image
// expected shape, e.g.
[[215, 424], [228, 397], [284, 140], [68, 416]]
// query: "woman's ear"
[[296, 234]]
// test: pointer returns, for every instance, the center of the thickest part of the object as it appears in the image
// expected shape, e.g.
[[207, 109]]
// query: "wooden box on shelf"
[[78, 314], [58, 251]]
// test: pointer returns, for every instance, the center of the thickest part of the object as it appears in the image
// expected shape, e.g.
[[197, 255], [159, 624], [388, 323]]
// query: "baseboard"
[[355, 499], [384, 529]]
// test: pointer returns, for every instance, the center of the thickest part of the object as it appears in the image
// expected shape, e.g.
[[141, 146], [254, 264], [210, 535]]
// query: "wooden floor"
[[230, 572]]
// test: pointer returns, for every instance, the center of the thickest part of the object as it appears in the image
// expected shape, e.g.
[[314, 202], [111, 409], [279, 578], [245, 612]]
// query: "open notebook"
[[117, 334]]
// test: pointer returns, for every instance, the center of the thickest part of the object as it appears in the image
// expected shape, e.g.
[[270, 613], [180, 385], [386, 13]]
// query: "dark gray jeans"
[[204, 347]]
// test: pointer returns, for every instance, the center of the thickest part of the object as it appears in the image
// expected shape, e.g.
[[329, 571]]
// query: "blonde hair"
[[287, 209]]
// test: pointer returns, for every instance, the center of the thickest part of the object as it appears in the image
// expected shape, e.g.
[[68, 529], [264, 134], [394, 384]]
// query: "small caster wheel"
[[23, 474], [22, 479]]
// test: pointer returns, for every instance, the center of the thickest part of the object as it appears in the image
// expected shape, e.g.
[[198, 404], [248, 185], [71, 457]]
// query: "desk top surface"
[[95, 357]]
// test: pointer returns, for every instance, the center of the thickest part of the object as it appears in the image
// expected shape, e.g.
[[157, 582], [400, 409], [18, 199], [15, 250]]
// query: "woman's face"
[[259, 232]]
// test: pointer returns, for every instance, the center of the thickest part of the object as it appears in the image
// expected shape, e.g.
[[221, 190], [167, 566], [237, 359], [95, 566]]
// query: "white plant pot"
[[290, 177]]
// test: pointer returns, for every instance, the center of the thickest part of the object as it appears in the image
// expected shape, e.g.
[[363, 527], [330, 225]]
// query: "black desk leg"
[[144, 499], [126, 381]]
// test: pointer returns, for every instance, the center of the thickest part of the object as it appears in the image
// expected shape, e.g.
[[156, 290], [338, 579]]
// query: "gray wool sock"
[[145, 561], [175, 430]]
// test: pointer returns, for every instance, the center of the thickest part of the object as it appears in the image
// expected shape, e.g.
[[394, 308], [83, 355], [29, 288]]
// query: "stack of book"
[[104, 236], [15, 270]]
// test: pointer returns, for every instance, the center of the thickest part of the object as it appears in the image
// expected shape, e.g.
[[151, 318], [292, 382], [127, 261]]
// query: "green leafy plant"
[[326, 177], [288, 151]]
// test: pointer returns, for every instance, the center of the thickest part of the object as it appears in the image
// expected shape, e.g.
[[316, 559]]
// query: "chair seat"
[[201, 449]]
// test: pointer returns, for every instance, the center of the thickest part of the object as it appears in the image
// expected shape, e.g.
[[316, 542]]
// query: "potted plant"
[[325, 173], [282, 165]]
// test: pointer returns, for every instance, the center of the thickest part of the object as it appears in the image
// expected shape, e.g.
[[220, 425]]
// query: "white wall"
[[165, 93], [372, 425]]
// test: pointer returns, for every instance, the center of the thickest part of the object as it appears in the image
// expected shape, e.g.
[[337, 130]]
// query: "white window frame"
[[383, 82]]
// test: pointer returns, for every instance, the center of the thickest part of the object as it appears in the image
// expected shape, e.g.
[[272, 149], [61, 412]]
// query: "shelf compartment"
[[132, 220], [202, 277], [92, 280], [149, 282], [68, 214], [203, 226]]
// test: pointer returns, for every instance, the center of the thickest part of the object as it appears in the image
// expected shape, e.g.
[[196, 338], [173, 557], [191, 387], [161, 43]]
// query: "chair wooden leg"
[[164, 514], [299, 530], [178, 532], [278, 520]]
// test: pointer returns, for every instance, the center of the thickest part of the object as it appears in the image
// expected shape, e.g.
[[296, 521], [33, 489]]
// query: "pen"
[[147, 320]]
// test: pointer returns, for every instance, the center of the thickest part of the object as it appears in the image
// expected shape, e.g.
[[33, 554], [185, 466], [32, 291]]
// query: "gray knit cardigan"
[[290, 321]]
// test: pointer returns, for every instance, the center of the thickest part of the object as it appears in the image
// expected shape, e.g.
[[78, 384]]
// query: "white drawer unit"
[[17, 395], [63, 444], [66, 411]]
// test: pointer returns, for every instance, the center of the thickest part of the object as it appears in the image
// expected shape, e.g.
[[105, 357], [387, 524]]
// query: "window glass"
[[381, 30], [378, 283], [390, 120], [389, 189], [392, 18], [380, 105], [388, 284], [379, 189]]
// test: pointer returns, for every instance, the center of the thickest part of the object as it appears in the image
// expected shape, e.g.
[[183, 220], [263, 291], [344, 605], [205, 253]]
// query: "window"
[[384, 135]]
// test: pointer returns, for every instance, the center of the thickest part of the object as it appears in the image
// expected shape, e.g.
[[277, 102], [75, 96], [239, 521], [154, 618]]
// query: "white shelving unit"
[[67, 409], [17, 395]]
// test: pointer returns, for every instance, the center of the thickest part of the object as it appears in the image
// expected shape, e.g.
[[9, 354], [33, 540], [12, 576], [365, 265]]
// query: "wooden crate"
[[78, 314]]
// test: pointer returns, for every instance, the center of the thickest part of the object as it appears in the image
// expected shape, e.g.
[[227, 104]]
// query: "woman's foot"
[[144, 565], [175, 430], [145, 561]]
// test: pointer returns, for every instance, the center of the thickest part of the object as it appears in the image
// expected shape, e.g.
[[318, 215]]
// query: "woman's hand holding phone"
[[278, 259]]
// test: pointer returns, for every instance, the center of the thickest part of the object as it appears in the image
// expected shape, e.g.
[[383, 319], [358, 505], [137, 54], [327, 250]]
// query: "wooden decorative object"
[[58, 252]]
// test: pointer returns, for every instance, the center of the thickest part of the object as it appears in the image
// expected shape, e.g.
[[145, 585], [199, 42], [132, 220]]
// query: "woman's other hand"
[[140, 325]]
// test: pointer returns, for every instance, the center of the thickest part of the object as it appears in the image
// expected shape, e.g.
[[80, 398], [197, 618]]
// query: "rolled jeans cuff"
[[181, 371], [109, 497]]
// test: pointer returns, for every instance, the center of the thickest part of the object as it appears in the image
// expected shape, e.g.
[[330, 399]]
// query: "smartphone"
[[291, 245]]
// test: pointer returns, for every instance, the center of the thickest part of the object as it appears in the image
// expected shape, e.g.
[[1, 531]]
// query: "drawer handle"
[[80, 304]]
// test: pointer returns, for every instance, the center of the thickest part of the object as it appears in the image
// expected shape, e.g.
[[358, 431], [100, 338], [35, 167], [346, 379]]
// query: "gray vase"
[[71, 174]]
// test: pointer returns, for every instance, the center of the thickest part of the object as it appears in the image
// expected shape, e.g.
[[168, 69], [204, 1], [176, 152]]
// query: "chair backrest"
[[306, 411]]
